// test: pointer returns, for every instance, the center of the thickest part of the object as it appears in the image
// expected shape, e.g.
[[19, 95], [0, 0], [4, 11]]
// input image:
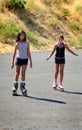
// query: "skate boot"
[[54, 86], [61, 89], [14, 89], [22, 88]]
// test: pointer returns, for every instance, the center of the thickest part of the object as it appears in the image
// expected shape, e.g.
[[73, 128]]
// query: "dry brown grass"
[[47, 19]]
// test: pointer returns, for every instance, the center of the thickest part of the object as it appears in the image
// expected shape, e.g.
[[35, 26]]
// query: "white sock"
[[15, 81], [22, 81]]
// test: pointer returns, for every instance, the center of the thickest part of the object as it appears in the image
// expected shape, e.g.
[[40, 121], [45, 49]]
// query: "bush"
[[14, 4], [65, 12], [79, 45], [1, 25], [74, 27], [8, 30], [80, 38]]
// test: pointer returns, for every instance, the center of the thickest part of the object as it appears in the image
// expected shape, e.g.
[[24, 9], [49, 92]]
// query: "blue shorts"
[[21, 62]]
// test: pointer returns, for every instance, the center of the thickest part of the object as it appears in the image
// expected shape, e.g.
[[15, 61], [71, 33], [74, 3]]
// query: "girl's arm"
[[51, 53], [70, 50], [29, 55], [14, 54]]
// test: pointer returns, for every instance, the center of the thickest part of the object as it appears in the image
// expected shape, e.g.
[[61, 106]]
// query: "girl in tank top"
[[22, 48], [59, 48]]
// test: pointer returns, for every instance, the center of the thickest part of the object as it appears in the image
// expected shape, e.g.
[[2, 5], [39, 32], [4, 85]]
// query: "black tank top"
[[60, 51]]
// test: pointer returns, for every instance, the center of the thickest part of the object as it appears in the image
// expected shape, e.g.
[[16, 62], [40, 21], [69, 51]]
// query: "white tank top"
[[22, 50]]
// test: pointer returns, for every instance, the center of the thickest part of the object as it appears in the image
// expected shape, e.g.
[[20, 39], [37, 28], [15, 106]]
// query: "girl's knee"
[[17, 73], [61, 72], [23, 74], [57, 71]]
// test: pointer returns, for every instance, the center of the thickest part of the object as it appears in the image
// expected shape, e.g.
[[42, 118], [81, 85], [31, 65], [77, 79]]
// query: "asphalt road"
[[43, 109]]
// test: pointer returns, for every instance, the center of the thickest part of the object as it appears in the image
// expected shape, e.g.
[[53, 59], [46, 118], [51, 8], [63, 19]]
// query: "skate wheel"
[[14, 94], [61, 89], [24, 94]]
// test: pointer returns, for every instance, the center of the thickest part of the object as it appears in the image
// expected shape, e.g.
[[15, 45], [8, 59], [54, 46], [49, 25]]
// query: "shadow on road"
[[78, 93], [46, 100]]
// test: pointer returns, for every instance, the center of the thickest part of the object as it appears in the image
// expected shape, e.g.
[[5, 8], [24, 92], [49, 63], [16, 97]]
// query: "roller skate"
[[14, 89], [54, 86], [61, 89], [23, 90]]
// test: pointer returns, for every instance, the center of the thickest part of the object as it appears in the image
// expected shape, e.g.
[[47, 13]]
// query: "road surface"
[[43, 109]]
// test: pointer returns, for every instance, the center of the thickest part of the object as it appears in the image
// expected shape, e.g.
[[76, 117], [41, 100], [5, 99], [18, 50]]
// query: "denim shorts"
[[21, 62]]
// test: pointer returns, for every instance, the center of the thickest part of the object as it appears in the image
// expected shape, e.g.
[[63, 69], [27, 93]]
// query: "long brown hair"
[[18, 36]]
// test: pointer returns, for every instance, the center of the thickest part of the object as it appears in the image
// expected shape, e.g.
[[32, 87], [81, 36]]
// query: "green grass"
[[64, 12], [74, 27], [79, 45], [1, 24], [31, 36], [51, 22], [32, 7], [9, 31], [14, 4], [80, 38], [40, 22]]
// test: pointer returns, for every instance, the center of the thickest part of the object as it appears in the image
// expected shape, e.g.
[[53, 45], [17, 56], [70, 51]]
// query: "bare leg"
[[17, 72], [23, 72], [22, 83], [61, 73], [56, 72], [61, 77], [15, 87]]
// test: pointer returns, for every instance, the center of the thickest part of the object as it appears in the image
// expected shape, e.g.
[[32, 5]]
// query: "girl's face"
[[60, 40], [22, 36]]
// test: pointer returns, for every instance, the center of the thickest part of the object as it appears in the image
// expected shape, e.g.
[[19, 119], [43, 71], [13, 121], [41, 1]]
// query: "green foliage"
[[14, 4], [32, 7], [79, 45], [35, 18], [80, 38], [64, 12], [74, 27], [8, 31], [31, 36], [1, 25]]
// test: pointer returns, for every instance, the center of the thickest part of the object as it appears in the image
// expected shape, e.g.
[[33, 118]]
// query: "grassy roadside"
[[43, 21]]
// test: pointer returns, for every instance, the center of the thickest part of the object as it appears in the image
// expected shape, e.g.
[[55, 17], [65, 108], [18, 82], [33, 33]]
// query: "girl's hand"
[[47, 58], [12, 65], [30, 64], [76, 54]]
